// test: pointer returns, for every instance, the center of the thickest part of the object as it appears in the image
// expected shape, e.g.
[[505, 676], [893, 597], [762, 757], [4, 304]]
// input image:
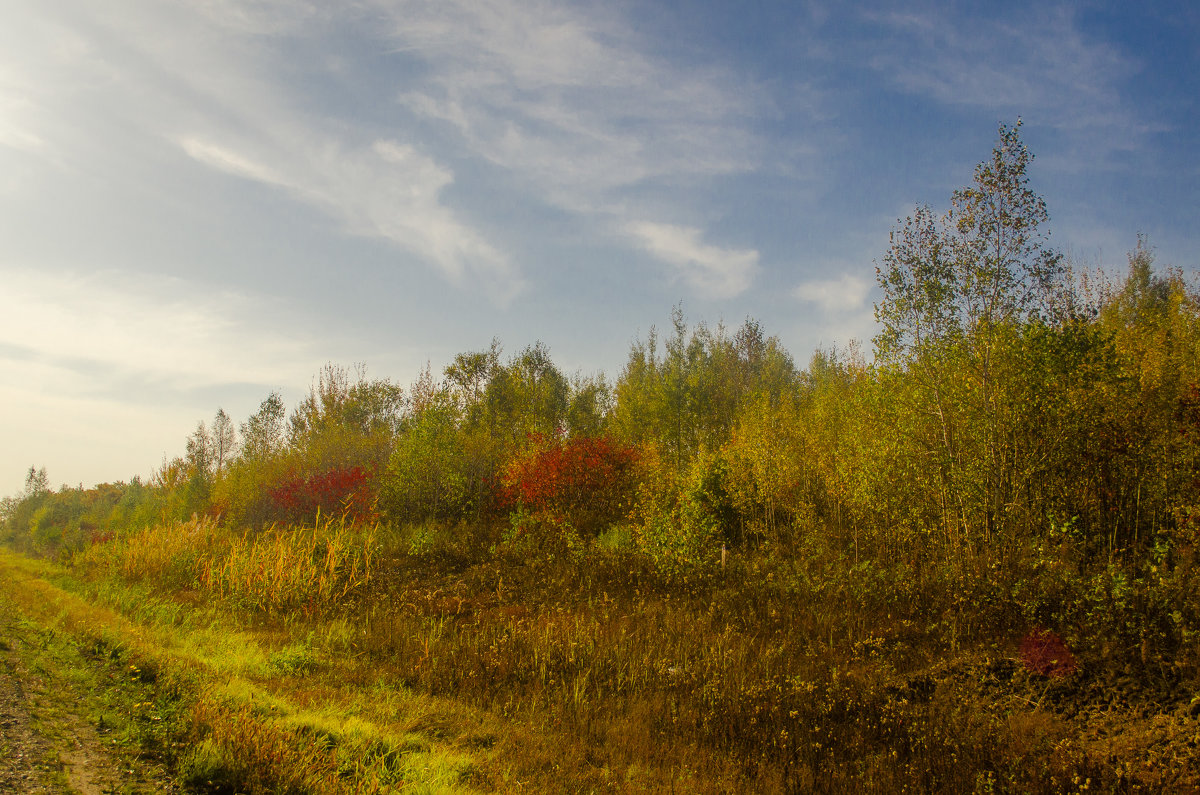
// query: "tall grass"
[[274, 726], [303, 570], [307, 569], [815, 673]]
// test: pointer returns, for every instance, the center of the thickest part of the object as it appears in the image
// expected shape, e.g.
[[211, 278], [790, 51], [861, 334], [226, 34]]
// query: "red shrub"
[[345, 492], [585, 481], [1045, 653]]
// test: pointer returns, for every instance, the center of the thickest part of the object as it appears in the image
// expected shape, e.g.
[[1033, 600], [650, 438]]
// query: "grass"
[[256, 715], [91, 715], [302, 571], [430, 668]]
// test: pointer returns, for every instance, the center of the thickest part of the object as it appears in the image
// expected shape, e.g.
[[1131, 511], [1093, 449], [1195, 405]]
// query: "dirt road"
[[51, 738]]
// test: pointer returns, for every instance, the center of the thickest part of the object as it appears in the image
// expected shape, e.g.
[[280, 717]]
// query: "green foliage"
[[427, 473], [678, 518], [345, 421], [538, 540], [767, 470], [262, 432], [590, 407], [689, 397], [526, 397]]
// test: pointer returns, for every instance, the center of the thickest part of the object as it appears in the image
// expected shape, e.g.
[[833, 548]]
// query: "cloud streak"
[[844, 294], [101, 329], [569, 101], [712, 271], [387, 190], [1039, 63], [570, 104], [200, 78]]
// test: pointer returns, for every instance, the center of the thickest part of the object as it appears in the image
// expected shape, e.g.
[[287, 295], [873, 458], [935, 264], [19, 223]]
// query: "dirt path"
[[47, 744]]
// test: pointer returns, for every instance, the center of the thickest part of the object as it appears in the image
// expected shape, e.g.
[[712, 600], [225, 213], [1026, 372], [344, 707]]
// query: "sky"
[[202, 202]]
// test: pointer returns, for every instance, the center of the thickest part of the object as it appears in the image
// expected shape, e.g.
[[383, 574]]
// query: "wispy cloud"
[[844, 294], [386, 189], [214, 79], [91, 332], [712, 271], [1032, 62], [570, 103], [12, 133], [228, 161], [569, 99]]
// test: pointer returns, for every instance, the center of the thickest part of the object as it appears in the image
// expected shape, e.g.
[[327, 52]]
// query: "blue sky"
[[201, 202]]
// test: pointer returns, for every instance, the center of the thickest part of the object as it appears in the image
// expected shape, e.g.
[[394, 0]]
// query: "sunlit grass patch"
[[255, 719], [294, 659]]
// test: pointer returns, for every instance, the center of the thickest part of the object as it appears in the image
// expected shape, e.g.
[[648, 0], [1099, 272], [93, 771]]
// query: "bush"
[[585, 481], [346, 492]]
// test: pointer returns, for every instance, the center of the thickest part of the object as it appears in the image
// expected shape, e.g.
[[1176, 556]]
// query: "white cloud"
[[217, 80], [714, 272], [844, 294], [12, 134], [387, 189], [230, 162], [88, 332], [568, 102], [19, 112]]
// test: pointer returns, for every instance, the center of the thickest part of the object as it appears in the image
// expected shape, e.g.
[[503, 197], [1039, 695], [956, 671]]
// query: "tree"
[[767, 459], [242, 491], [345, 421], [468, 377], [689, 397], [224, 440], [984, 264], [920, 308], [427, 474], [591, 404], [1152, 322], [528, 396], [37, 482], [1002, 261], [262, 433], [200, 452], [956, 291], [199, 458]]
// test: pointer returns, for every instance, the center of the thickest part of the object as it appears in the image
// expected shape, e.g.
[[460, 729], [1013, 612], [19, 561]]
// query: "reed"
[[308, 569]]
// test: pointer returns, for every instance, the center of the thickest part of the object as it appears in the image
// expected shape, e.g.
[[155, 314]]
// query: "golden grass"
[[308, 570]]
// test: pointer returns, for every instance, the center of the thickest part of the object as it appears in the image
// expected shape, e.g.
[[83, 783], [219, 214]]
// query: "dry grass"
[[306, 570], [596, 674]]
